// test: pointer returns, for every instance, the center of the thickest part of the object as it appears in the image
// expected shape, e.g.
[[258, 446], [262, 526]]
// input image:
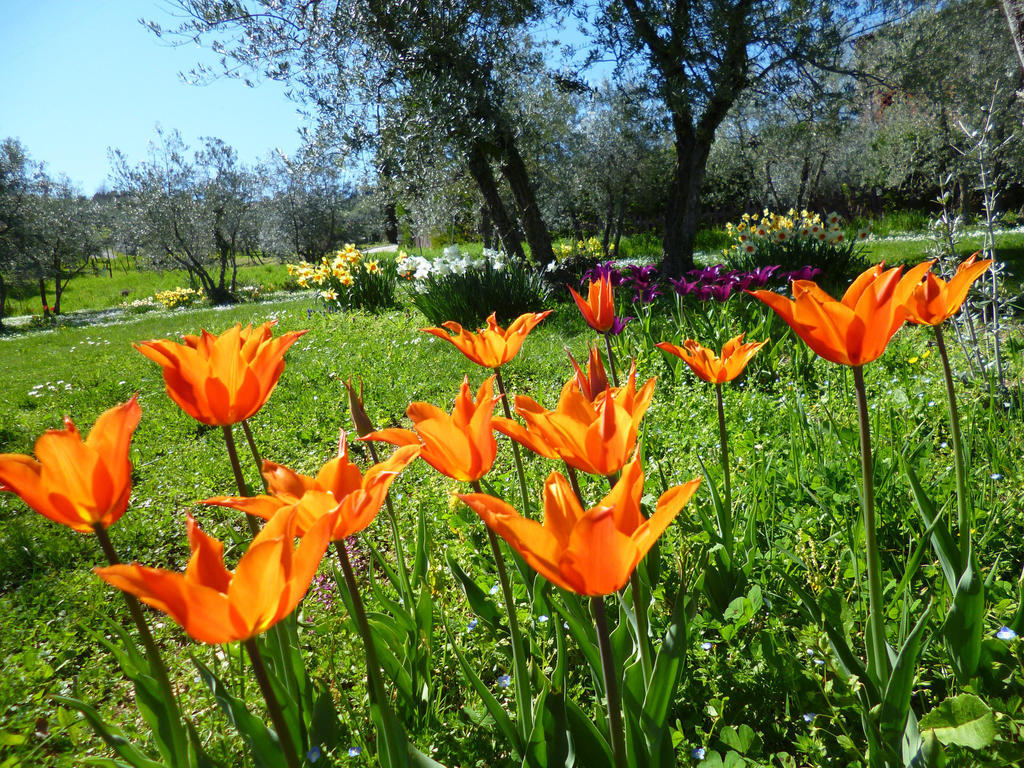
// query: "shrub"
[[179, 297], [348, 279], [797, 240], [464, 289]]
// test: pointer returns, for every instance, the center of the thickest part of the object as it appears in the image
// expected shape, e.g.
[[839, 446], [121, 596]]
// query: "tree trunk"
[[1014, 11], [58, 291], [619, 222], [3, 301], [514, 170], [486, 226], [577, 227], [480, 169], [391, 223], [42, 296], [609, 222], [682, 213]]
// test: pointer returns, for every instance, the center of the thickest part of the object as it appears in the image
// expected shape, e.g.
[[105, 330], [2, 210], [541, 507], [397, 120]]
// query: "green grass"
[[792, 430], [99, 290]]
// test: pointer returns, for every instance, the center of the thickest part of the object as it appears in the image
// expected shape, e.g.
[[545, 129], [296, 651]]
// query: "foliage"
[[466, 290], [793, 240], [179, 297], [350, 279]]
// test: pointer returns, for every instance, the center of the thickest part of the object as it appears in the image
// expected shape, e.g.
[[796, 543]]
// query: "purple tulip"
[[682, 287], [721, 292]]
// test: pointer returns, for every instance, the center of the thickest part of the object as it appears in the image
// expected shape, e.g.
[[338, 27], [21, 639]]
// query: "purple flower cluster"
[[322, 591], [719, 283]]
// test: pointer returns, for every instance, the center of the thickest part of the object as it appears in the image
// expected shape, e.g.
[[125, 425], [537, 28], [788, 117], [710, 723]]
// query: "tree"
[[194, 213], [66, 235], [443, 65], [312, 209], [698, 57], [19, 177]]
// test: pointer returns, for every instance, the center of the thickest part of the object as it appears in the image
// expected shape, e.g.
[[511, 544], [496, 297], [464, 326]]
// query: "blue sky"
[[78, 77]]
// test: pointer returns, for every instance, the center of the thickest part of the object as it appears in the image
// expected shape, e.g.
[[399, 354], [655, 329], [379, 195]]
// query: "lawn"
[[759, 682]]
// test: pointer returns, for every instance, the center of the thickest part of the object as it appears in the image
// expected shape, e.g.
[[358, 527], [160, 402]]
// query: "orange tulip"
[[222, 380], [491, 347], [338, 487], [709, 366], [853, 331], [599, 307], [933, 300], [79, 484], [596, 437], [593, 552], [595, 380], [462, 445], [215, 605]]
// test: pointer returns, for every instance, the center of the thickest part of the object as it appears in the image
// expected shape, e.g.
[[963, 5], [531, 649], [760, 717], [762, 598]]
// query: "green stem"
[[515, 446], [878, 656], [236, 468], [524, 691], [156, 662], [373, 679], [399, 549], [643, 633], [725, 523], [254, 451], [284, 735], [963, 512], [611, 683], [611, 359]]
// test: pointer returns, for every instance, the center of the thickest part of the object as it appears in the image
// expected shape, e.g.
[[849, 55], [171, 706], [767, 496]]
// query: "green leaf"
[[964, 720], [896, 702], [665, 677], [263, 743], [965, 623], [478, 601], [589, 744], [942, 541], [112, 736]]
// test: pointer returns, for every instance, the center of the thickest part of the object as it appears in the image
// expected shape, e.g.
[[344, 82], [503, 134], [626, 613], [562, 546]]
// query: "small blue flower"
[[494, 589], [819, 662], [809, 717], [697, 753], [1005, 633], [996, 476], [504, 681], [472, 625], [355, 751], [542, 619], [706, 646], [313, 755]]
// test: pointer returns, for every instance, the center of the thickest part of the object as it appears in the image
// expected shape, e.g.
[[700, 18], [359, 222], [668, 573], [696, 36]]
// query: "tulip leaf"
[[264, 746], [478, 601], [549, 746], [965, 622], [896, 701], [421, 560], [589, 744], [491, 704], [942, 541], [112, 736], [161, 715], [964, 720], [581, 627], [667, 665], [632, 693]]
